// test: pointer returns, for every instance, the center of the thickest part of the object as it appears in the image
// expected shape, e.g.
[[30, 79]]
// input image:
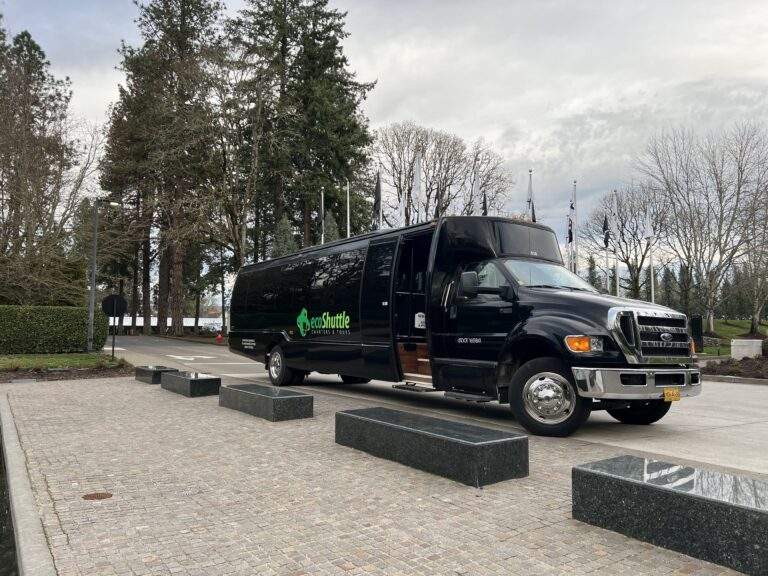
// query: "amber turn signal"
[[579, 343]]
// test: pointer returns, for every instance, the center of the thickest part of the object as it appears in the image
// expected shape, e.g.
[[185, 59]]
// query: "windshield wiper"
[[544, 286]]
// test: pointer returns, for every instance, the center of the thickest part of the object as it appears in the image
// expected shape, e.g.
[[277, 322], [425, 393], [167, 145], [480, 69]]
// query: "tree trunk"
[[162, 291], [146, 296], [177, 289], [120, 321], [307, 240], [197, 312], [135, 287]]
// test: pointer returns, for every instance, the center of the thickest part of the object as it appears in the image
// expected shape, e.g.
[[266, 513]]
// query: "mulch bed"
[[65, 374], [746, 367]]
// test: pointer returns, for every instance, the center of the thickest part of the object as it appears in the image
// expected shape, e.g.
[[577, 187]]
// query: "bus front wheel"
[[543, 398]]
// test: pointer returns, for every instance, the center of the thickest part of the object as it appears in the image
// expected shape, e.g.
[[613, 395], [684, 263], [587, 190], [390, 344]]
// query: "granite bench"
[[469, 454], [268, 402], [151, 374], [190, 384], [717, 517]]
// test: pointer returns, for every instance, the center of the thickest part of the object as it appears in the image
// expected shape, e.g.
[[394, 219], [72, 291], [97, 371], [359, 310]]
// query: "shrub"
[[49, 329]]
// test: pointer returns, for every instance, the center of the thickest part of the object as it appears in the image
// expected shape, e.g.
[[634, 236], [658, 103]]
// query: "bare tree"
[[455, 178], [626, 211], [754, 264], [395, 148], [488, 182], [708, 184]]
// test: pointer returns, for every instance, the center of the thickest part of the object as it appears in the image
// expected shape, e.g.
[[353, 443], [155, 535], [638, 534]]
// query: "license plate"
[[671, 394]]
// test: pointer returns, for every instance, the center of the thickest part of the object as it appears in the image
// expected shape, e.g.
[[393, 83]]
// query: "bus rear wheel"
[[279, 373], [543, 398], [641, 412]]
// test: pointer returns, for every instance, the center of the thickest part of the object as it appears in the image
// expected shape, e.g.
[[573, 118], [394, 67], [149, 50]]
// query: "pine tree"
[[592, 276], [284, 241], [331, 228]]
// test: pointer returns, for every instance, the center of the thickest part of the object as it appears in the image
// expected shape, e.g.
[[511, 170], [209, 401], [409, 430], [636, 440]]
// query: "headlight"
[[584, 343]]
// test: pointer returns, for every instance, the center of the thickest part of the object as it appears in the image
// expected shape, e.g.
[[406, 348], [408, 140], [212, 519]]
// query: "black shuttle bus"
[[480, 308]]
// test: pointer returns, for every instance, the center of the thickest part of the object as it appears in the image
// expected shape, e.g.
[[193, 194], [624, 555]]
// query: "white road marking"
[[188, 358], [107, 348], [224, 363]]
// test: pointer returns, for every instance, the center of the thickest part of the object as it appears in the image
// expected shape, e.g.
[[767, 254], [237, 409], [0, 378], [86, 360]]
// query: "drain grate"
[[97, 496]]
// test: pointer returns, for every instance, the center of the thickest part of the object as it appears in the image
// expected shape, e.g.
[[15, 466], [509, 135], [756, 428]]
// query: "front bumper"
[[635, 383]]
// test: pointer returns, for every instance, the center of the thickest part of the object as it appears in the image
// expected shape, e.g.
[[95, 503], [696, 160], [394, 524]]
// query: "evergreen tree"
[[592, 276], [667, 288], [331, 228], [284, 241]]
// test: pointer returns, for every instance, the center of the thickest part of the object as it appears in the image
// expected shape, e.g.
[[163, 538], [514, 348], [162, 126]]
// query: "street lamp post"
[[94, 250]]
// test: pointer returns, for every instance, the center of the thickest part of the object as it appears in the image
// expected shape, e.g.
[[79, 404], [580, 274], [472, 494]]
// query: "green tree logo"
[[302, 321]]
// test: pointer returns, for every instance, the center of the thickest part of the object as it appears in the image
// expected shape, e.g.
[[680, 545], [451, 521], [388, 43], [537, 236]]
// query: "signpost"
[[114, 306]]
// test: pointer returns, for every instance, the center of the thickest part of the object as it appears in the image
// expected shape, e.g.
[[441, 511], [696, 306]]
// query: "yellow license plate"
[[671, 394]]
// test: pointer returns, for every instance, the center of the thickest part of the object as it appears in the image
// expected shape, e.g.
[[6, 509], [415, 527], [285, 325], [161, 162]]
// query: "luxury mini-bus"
[[478, 308]]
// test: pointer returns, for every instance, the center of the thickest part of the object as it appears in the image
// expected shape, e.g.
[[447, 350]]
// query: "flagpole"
[[616, 240], [650, 262], [347, 207], [322, 216], [607, 273], [575, 232]]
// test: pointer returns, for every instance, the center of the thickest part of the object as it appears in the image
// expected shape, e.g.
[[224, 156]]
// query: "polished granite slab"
[[190, 384], [711, 515], [268, 402], [469, 454], [151, 374]]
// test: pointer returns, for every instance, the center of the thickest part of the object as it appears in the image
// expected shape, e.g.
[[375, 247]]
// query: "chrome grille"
[[647, 335], [662, 334]]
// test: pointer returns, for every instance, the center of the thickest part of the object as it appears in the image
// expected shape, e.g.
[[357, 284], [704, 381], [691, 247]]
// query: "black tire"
[[642, 412], [279, 373], [354, 379], [560, 403]]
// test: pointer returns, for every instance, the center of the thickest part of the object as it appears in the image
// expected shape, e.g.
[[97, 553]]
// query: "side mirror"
[[469, 283]]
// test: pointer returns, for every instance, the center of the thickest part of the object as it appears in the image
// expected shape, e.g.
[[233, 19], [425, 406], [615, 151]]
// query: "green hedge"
[[49, 329]]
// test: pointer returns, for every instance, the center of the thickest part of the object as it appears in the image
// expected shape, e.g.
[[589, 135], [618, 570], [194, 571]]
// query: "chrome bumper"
[[606, 383]]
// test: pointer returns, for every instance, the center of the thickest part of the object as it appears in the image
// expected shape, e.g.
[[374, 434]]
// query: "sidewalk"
[[201, 490]]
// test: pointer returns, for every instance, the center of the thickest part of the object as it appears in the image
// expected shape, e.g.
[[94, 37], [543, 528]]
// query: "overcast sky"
[[570, 89]]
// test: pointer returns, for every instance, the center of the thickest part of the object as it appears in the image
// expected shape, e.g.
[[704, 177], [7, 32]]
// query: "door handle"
[[507, 310]]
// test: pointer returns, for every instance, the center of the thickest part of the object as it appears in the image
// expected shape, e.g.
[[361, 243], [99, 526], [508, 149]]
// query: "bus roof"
[[422, 226]]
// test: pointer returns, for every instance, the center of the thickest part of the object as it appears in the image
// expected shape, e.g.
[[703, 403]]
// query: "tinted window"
[[489, 275], [522, 240]]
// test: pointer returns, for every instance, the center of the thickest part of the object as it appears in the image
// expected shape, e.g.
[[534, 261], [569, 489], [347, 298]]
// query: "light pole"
[[94, 249]]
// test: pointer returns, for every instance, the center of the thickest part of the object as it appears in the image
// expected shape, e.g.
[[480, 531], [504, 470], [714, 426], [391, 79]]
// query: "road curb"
[[32, 552], [734, 379]]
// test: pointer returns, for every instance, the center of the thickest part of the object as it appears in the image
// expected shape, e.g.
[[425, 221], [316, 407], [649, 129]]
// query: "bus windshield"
[[534, 274]]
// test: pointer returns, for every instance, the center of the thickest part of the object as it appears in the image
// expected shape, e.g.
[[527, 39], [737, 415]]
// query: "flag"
[[377, 202], [531, 208], [570, 222], [606, 231]]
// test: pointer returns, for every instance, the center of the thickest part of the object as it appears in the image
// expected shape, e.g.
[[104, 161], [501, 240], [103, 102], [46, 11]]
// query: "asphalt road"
[[727, 425]]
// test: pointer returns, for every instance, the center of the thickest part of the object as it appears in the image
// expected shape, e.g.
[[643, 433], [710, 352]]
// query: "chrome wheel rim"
[[275, 365], [548, 398]]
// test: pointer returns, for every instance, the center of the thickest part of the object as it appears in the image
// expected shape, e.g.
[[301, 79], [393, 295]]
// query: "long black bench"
[[151, 374], [268, 402], [190, 384], [469, 454], [710, 515]]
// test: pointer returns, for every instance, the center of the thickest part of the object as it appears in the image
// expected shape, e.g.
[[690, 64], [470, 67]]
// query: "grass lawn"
[[735, 328], [12, 362]]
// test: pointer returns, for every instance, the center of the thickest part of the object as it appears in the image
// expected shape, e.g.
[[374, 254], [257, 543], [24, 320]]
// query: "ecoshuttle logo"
[[325, 323]]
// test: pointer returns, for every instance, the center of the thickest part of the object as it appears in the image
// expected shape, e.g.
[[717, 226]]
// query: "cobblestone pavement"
[[203, 490]]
